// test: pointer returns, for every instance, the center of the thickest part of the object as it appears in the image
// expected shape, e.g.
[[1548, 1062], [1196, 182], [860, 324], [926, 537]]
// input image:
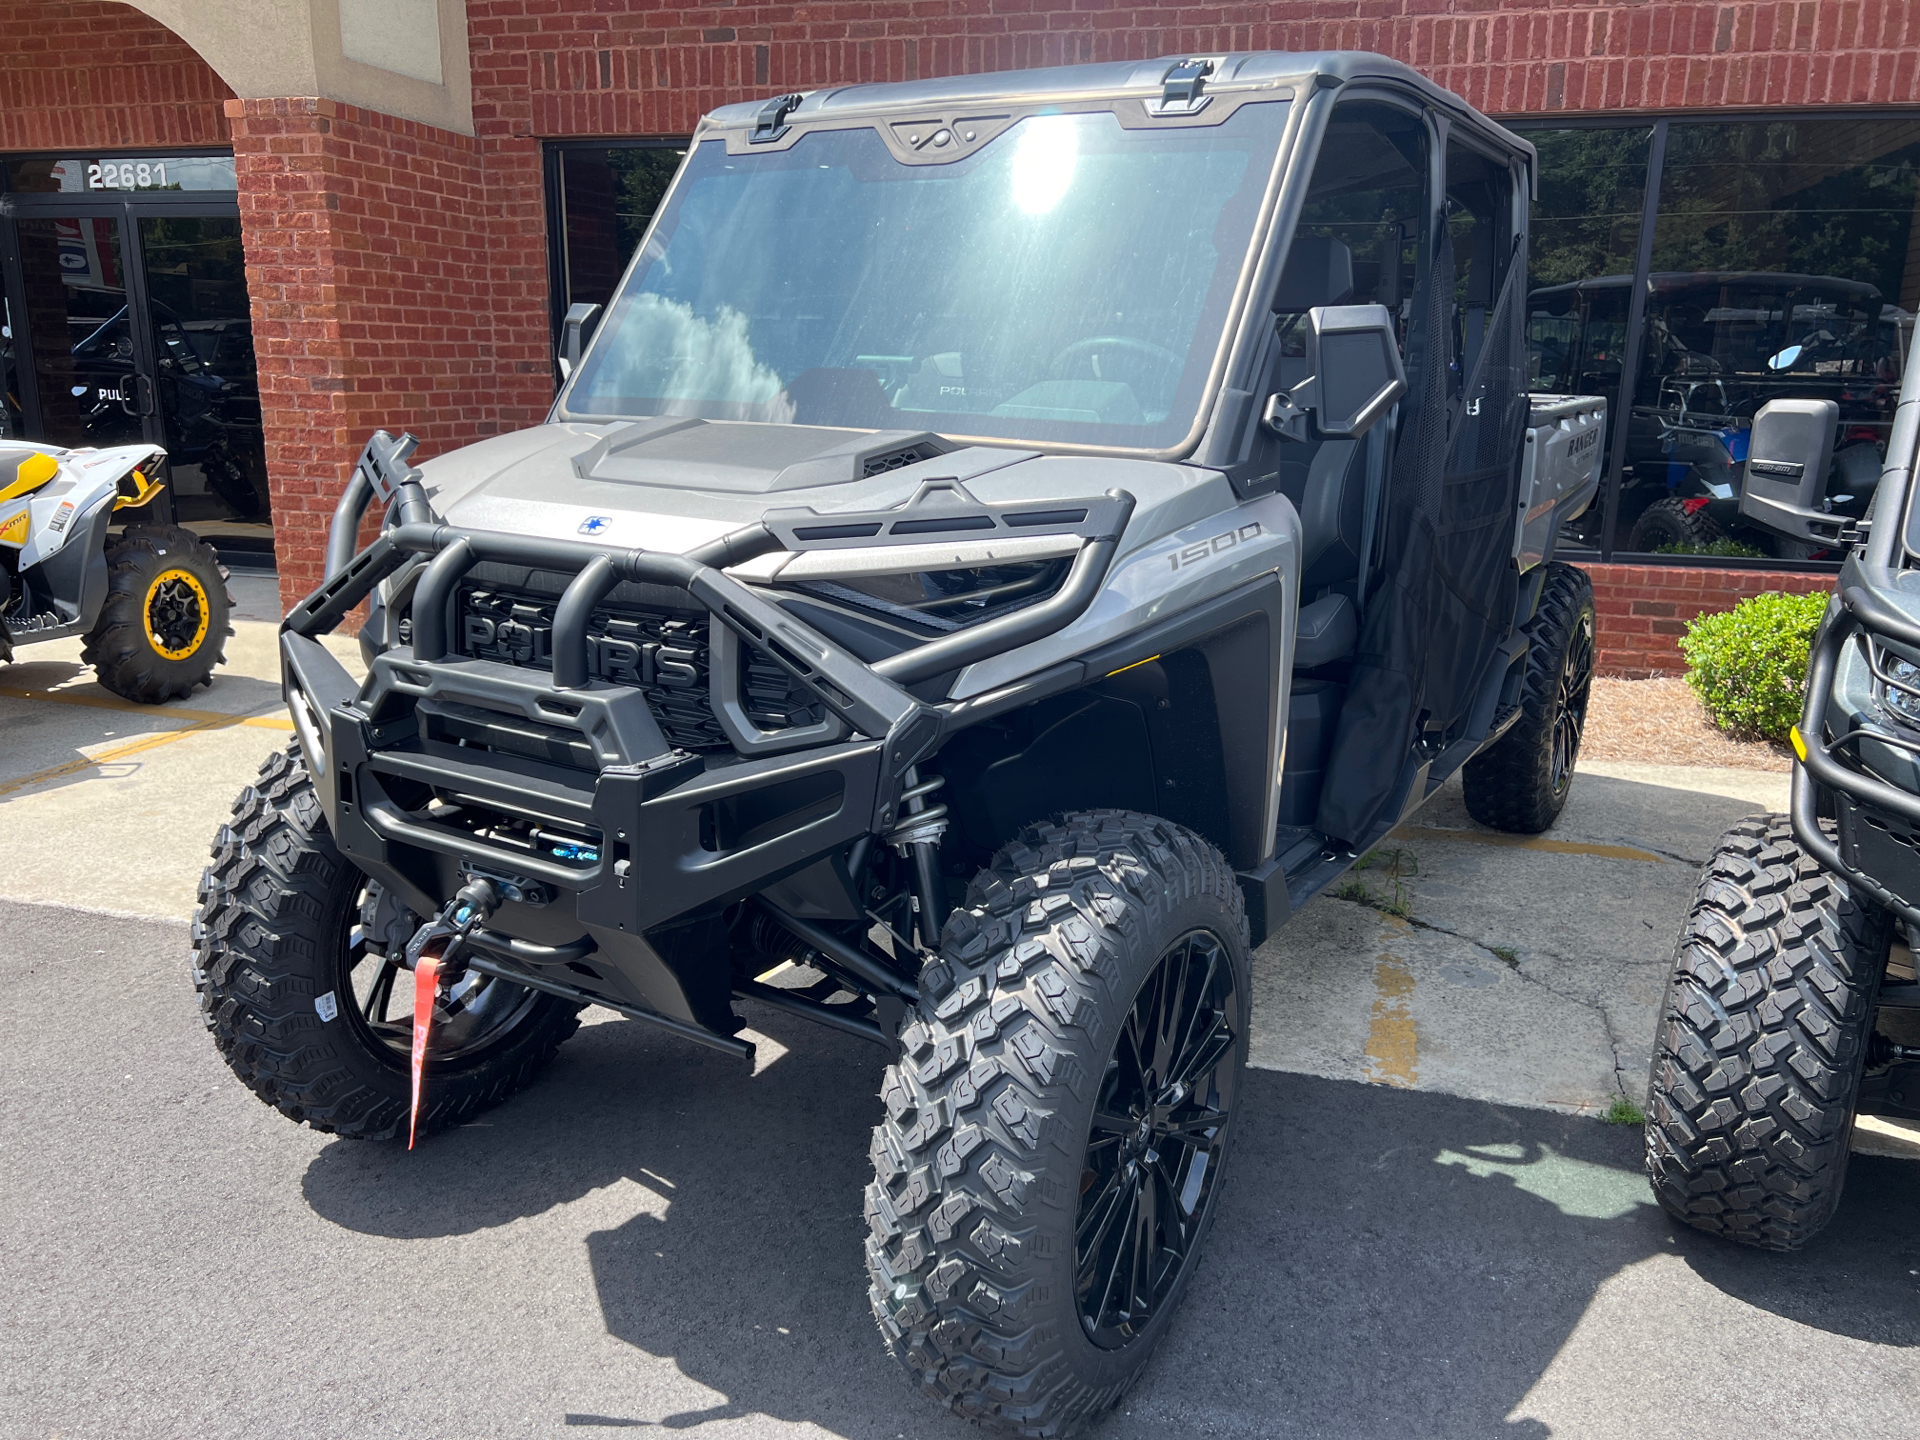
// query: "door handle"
[[143, 388]]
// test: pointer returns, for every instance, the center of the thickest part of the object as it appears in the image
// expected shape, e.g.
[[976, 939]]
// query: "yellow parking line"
[[1526, 842], [202, 718], [108, 757]]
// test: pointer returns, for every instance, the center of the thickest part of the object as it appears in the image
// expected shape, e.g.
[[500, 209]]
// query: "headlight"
[[933, 587], [1900, 687], [943, 600]]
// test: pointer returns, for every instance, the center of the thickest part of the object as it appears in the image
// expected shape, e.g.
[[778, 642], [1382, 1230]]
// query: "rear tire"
[[1522, 781], [1757, 1061], [1001, 1154], [277, 937], [163, 627]]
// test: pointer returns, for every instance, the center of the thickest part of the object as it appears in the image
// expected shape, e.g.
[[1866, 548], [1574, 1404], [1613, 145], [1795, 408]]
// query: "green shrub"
[[1723, 548], [1748, 664]]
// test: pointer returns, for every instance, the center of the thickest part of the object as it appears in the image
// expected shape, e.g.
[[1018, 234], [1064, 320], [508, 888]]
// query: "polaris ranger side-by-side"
[[1012, 541]]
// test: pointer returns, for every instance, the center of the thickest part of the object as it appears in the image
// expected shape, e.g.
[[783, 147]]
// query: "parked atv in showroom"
[[152, 603], [1793, 1006], [1013, 542]]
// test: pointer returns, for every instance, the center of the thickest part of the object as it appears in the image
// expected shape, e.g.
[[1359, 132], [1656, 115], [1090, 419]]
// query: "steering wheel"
[[1064, 361]]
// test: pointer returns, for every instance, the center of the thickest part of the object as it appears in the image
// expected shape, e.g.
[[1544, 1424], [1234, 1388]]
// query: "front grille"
[[663, 653]]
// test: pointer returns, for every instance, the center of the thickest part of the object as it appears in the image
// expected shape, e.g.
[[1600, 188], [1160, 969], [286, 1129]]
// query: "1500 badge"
[[1226, 540]]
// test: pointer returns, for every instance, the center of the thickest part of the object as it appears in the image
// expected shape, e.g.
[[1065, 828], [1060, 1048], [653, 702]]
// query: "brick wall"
[[397, 282], [73, 76], [584, 67], [1644, 609]]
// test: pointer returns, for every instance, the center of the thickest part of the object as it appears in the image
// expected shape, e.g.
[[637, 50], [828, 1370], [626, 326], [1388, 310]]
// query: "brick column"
[[1643, 610], [398, 281]]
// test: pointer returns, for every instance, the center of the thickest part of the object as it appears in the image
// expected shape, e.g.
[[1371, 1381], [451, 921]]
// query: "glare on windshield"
[[1067, 282]]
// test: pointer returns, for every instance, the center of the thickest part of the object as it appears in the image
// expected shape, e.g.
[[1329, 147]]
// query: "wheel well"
[[1146, 738]]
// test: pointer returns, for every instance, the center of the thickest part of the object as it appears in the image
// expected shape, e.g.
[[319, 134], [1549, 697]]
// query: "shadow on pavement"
[[1386, 1263]]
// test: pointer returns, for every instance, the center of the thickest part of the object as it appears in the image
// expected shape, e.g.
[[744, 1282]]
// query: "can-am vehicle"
[[1719, 346], [152, 601], [1013, 540], [1793, 1006]]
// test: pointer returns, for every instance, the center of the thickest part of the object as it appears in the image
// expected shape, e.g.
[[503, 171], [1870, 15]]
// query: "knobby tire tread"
[[1761, 1042], [969, 1213], [259, 938], [118, 647]]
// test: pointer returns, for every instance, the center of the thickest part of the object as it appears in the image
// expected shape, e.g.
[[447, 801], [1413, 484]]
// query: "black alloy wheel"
[[1570, 701], [1152, 1153], [1522, 781], [476, 1012]]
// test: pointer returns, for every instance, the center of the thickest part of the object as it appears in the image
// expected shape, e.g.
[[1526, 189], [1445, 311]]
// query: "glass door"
[[127, 320], [206, 395], [77, 325]]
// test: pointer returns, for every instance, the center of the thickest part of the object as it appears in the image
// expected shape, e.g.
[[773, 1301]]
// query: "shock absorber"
[[919, 830]]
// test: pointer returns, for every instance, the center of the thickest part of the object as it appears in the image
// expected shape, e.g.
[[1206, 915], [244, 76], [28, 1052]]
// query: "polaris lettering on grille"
[[660, 653], [621, 652]]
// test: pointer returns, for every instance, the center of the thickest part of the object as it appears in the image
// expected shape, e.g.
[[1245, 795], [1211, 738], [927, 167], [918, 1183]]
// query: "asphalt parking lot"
[[1427, 1233]]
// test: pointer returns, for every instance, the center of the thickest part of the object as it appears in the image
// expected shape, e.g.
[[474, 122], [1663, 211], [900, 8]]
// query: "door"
[[79, 331], [127, 320], [205, 396]]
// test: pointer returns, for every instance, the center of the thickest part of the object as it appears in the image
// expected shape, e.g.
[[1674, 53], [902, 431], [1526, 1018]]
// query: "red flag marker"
[[426, 989]]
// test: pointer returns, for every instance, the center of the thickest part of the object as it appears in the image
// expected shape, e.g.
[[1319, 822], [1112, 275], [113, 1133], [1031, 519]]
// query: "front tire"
[[1757, 1061], [290, 962], [163, 627], [1522, 781], [1056, 1130]]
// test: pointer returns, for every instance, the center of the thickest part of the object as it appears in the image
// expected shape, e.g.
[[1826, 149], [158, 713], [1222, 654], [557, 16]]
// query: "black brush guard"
[[658, 837]]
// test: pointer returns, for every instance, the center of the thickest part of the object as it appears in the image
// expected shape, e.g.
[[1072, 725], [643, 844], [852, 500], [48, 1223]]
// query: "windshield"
[[1067, 282]]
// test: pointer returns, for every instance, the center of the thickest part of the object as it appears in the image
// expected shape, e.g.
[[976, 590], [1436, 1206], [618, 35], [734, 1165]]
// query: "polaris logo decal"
[[594, 524], [1226, 540]]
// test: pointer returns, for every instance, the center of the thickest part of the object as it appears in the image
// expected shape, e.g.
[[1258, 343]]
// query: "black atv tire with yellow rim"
[[163, 627]]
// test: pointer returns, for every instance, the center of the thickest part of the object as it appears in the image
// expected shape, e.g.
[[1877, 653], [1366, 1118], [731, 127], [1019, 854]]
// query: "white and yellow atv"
[[152, 604]]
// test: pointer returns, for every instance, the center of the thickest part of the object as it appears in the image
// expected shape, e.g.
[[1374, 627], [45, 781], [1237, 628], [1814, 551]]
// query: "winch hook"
[[445, 936]]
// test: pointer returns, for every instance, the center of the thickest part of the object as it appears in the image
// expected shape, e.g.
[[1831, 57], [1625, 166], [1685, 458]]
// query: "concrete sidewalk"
[[110, 805]]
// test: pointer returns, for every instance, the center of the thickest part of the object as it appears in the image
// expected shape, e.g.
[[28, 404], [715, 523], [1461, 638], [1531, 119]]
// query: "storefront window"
[[607, 196], [1784, 265], [1586, 230]]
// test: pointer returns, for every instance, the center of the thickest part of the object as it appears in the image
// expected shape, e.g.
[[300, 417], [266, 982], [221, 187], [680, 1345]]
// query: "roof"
[[1267, 69]]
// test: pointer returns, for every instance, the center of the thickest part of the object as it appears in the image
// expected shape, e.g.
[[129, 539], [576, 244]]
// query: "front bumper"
[[624, 849]]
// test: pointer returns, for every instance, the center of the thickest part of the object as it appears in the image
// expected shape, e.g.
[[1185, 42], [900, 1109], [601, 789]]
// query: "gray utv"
[[1793, 1007], [1010, 543]]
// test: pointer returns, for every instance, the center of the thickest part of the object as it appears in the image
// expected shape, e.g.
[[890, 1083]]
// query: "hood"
[[670, 484]]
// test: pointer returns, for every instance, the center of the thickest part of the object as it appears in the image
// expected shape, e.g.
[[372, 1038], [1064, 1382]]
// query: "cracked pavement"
[[1527, 970]]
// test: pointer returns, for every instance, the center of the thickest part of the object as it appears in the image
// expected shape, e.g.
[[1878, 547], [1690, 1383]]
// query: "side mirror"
[[1354, 375], [1788, 454], [575, 331]]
